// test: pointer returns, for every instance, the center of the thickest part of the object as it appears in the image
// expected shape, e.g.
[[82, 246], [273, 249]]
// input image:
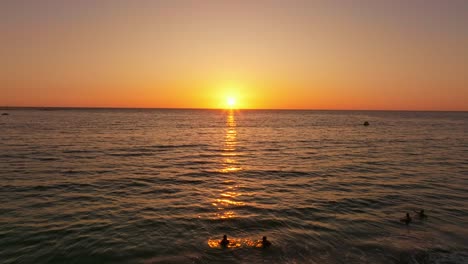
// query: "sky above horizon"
[[386, 55]]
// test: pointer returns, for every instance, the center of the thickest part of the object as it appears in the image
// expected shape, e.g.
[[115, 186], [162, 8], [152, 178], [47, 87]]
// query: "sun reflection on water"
[[227, 199], [236, 243], [230, 164]]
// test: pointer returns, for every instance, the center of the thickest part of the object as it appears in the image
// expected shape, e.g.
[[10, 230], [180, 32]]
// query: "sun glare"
[[231, 102]]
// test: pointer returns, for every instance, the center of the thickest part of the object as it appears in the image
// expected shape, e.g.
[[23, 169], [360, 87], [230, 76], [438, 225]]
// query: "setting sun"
[[231, 102]]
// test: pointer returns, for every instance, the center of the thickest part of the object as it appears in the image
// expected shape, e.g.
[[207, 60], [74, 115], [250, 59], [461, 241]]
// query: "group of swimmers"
[[265, 243], [225, 242], [407, 220]]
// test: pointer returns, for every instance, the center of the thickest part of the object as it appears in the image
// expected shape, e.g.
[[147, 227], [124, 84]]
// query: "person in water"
[[421, 214], [407, 219], [265, 242], [224, 242]]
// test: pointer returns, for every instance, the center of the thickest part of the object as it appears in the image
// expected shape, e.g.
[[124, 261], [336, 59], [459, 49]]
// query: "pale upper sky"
[[409, 55]]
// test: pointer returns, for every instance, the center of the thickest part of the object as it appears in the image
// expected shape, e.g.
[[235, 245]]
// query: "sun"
[[231, 102]]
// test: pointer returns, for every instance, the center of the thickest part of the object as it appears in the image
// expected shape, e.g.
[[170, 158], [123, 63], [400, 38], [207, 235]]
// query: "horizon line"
[[200, 108]]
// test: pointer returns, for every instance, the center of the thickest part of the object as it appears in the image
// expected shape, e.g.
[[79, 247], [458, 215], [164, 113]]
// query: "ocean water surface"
[[163, 186]]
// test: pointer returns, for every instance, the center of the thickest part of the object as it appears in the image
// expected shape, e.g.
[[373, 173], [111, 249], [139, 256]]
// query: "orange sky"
[[266, 54]]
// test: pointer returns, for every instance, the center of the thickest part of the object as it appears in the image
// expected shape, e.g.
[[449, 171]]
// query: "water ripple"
[[156, 186]]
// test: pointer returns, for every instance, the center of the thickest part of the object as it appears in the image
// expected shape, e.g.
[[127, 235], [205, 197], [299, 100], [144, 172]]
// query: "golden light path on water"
[[227, 197], [236, 243]]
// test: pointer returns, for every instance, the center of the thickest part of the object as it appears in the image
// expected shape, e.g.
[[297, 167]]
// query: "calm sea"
[[163, 186]]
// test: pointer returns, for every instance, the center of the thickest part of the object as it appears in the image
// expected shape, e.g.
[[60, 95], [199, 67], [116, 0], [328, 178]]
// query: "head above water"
[[264, 238], [224, 237]]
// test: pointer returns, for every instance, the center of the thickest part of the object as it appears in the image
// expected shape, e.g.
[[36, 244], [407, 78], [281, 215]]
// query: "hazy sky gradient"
[[269, 54]]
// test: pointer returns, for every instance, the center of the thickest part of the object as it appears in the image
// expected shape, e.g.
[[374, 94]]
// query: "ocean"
[[164, 186]]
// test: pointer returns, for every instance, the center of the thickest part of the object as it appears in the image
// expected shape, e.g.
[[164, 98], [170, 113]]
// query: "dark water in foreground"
[[155, 186]]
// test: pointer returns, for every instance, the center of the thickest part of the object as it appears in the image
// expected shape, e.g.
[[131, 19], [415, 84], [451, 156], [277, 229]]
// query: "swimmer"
[[265, 242], [224, 242], [407, 219], [421, 213]]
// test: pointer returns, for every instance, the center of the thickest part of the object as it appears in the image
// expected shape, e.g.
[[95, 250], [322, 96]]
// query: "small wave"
[[433, 256], [179, 146], [48, 187], [79, 151], [130, 154]]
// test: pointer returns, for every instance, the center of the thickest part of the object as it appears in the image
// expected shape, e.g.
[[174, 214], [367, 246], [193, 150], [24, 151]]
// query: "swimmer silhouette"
[[407, 219], [421, 213], [224, 242], [265, 242]]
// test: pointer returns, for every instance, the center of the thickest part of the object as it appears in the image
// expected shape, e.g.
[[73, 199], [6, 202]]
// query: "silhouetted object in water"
[[224, 242], [366, 123], [5, 114], [407, 219], [421, 214], [265, 242]]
